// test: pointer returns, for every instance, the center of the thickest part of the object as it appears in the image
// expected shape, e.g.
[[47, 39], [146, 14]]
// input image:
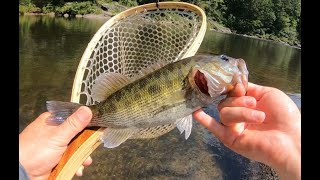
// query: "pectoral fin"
[[114, 137], [185, 124]]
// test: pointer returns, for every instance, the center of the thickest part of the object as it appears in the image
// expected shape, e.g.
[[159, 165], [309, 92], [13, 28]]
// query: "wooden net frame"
[[164, 31]]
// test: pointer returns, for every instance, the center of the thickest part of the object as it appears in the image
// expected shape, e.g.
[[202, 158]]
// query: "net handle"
[[87, 141]]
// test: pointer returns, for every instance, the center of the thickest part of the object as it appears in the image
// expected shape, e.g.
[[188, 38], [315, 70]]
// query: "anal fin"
[[185, 125], [114, 137]]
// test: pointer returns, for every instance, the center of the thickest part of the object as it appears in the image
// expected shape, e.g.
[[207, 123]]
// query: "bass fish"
[[159, 99]]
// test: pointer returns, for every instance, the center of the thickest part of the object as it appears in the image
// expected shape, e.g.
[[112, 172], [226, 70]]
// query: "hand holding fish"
[[41, 145], [264, 125]]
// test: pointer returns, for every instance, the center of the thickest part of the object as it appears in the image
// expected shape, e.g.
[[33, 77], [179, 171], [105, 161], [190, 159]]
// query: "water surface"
[[49, 52]]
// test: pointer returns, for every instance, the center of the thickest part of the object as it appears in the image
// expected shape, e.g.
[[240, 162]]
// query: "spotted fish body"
[[138, 103], [159, 99]]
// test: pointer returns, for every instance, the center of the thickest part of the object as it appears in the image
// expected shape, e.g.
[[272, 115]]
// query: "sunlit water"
[[49, 52]]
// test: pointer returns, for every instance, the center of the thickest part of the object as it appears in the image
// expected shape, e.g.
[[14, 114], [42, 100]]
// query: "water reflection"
[[269, 63], [49, 52]]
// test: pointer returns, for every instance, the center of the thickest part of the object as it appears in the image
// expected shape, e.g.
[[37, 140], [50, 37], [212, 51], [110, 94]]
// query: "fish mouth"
[[201, 82], [212, 85]]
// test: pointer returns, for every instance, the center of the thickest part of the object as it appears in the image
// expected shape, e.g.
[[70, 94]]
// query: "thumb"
[[75, 123]]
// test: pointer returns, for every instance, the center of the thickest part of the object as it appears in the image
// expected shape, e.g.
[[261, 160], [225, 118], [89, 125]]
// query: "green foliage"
[[25, 2], [272, 19], [104, 1], [39, 3], [251, 17], [299, 28], [114, 7], [265, 18], [146, 1], [129, 3], [23, 9], [48, 8], [28, 8], [214, 9], [74, 8]]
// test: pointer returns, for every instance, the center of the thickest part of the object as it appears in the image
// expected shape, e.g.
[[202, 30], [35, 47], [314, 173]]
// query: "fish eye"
[[224, 57]]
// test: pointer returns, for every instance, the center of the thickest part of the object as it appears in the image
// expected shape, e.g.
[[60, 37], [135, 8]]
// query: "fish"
[[156, 100]]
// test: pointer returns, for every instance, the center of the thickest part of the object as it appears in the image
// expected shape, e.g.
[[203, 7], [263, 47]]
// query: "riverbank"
[[212, 25], [89, 16]]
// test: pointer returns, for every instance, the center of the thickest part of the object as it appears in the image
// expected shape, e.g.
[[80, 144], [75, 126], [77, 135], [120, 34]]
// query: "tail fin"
[[60, 111]]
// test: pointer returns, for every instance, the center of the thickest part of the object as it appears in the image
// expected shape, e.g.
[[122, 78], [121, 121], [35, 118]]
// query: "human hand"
[[263, 125], [41, 145]]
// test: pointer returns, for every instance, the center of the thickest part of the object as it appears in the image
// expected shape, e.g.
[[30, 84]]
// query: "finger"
[[233, 115], [80, 171], [210, 123], [244, 101], [257, 91], [87, 162], [238, 91], [75, 123]]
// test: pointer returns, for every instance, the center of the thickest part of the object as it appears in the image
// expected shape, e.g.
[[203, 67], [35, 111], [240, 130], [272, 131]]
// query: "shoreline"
[[255, 37], [89, 16], [107, 16]]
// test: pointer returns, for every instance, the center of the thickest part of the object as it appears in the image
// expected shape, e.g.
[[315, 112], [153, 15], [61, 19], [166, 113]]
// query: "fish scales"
[[139, 101]]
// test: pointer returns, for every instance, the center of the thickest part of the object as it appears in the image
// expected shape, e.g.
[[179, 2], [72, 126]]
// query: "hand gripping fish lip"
[[219, 76]]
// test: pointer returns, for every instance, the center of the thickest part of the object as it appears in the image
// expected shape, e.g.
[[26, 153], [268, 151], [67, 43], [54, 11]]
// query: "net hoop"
[[77, 84]]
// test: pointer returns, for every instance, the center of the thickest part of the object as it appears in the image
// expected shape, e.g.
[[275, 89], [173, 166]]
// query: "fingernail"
[[250, 102], [258, 116], [80, 171], [83, 113]]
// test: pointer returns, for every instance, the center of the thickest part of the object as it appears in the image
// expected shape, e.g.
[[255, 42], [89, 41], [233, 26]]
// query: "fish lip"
[[242, 76]]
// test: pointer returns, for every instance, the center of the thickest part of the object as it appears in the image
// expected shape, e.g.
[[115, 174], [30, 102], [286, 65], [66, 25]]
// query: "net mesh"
[[136, 42]]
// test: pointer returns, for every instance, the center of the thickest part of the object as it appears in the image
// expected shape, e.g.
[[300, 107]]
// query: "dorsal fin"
[[108, 83], [147, 70]]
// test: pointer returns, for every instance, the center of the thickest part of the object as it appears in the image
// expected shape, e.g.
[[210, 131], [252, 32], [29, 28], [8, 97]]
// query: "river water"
[[49, 52]]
